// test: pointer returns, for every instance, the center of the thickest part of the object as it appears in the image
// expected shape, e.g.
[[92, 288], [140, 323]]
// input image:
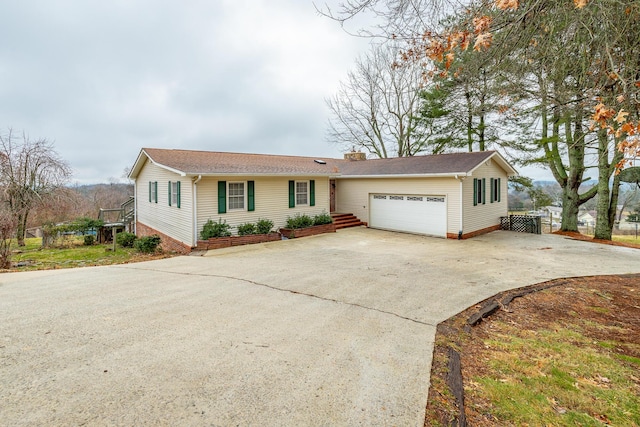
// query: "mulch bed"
[[459, 344]]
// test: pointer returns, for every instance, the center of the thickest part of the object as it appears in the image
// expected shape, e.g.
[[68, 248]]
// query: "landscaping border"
[[226, 242], [292, 233]]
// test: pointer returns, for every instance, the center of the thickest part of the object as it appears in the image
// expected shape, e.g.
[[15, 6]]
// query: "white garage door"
[[411, 213]]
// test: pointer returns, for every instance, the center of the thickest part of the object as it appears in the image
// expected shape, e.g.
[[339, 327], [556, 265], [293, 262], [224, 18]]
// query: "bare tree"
[[377, 108], [31, 170], [7, 231]]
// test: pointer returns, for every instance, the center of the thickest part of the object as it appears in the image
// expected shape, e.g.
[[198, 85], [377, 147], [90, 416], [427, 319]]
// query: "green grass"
[[626, 239], [558, 377], [71, 254]]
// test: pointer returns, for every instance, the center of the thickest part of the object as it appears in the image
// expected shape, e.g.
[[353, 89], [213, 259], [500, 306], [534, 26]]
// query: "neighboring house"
[[447, 195], [587, 218], [554, 213]]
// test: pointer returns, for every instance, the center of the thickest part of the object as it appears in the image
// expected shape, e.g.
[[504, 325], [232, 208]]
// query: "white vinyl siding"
[[271, 201], [487, 214], [176, 223]]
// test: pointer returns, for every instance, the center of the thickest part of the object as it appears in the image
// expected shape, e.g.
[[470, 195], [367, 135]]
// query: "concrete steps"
[[344, 220]]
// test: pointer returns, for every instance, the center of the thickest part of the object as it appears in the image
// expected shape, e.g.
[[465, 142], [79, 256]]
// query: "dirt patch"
[[605, 309], [578, 236]]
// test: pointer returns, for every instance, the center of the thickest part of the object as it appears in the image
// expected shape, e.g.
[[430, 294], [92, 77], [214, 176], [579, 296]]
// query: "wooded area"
[[554, 83]]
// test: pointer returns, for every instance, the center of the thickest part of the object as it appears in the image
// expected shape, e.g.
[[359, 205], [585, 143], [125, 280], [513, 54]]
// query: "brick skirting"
[[291, 233], [226, 242], [475, 233], [167, 243]]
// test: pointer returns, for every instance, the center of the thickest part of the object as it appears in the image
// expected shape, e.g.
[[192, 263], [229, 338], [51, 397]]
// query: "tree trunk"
[[21, 229], [607, 197], [570, 207], [467, 96]]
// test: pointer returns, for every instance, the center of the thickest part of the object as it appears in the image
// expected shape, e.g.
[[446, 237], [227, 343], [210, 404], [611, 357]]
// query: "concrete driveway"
[[329, 330]]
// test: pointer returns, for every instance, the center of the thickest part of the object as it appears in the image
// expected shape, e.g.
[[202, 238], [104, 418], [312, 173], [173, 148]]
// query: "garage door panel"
[[410, 213]]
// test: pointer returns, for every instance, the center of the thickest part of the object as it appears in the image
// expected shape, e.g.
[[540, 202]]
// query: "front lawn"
[[72, 253], [565, 356]]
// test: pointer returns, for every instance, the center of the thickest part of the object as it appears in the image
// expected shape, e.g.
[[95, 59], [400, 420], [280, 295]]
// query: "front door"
[[332, 195]]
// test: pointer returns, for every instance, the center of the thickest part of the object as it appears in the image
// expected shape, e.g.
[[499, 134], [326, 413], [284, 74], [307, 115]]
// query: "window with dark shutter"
[[492, 190], [292, 194], [251, 196], [174, 193], [312, 192], [475, 191], [222, 197]]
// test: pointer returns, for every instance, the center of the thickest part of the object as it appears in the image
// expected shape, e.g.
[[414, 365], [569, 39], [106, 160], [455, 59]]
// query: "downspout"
[[195, 211], [461, 221]]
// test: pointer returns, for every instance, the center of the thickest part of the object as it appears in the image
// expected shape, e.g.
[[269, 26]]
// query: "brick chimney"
[[355, 155]]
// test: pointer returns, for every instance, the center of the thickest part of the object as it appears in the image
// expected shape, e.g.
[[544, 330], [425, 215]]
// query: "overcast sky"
[[102, 79]]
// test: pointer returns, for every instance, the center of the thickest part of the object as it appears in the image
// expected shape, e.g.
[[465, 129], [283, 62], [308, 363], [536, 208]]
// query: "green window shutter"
[[251, 196], [499, 188], [178, 196], [475, 191], [491, 189], [169, 193], [292, 194], [155, 191], [150, 192], [222, 197], [312, 192], [484, 190]]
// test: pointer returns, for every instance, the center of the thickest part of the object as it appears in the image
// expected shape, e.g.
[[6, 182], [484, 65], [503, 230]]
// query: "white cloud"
[[103, 79]]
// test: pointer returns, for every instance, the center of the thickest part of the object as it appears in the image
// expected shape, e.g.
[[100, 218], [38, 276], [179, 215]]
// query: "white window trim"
[[296, 193], [244, 203], [153, 191], [174, 194]]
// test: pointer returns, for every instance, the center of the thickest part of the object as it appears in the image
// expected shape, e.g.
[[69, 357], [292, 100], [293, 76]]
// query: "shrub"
[[83, 225], [322, 219], [147, 244], [299, 221], [264, 226], [89, 239], [126, 240], [245, 229], [215, 229]]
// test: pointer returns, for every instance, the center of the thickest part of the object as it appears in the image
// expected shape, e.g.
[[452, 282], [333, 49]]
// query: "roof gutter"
[[417, 175]]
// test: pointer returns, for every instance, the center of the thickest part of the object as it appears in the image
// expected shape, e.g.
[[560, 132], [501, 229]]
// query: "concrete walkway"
[[328, 330]]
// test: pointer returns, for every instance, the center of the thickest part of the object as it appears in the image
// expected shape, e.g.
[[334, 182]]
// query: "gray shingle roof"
[[192, 162], [212, 162], [440, 164]]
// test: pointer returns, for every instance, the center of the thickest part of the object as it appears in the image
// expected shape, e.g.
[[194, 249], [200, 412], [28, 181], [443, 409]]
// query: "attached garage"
[[411, 213]]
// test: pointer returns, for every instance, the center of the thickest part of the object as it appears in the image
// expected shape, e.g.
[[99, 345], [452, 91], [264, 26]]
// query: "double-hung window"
[[479, 186], [302, 193], [236, 195], [174, 193], [153, 191], [495, 190]]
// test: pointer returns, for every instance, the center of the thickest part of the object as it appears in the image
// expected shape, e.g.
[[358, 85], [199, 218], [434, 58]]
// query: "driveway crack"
[[291, 291]]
